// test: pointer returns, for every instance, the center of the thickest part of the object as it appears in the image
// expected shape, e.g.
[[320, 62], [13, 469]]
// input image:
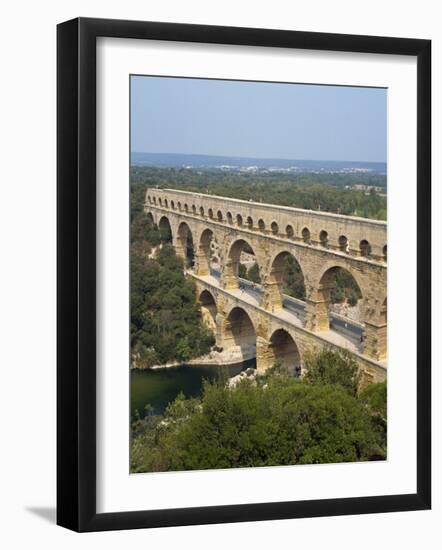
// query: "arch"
[[208, 308], [249, 222], [239, 220], [204, 252], [201, 211], [219, 216], [323, 238], [160, 202], [329, 275], [184, 244], [337, 285], [365, 248], [261, 225], [149, 199], [229, 218], [166, 204], [290, 231], [239, 331], [343, 244], [149, 216], [274, 228], [154, 200], [384, 252], [231, 267], [210, 212], [283, 349], [306, 235], [172, 205], [285, 278], [186, 207], [193, 209], [179, 206], [165, 229]]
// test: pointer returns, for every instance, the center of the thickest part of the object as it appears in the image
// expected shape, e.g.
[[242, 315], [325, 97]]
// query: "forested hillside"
[[326, 192], [166, 321]]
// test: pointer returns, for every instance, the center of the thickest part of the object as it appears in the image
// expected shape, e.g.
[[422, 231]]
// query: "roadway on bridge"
[[293, 312], [344, 326]]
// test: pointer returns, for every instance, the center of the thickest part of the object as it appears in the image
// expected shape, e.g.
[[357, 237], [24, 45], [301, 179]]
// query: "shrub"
[[330, 367]]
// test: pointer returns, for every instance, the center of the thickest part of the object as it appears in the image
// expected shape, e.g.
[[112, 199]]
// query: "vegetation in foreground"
[[275, 420]]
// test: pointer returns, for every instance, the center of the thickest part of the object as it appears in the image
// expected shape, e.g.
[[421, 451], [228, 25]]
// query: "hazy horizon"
[[199, 154]]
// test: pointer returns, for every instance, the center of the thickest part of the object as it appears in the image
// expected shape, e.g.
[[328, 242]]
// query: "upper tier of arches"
[[344, 234]]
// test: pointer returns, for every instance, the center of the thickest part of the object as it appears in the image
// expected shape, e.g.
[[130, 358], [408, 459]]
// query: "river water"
[[159, 387]]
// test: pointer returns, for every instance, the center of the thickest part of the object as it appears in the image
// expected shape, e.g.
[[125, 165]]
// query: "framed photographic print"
[[226, 200]]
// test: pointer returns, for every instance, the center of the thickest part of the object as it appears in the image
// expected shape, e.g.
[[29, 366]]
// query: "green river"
[[158, 387]]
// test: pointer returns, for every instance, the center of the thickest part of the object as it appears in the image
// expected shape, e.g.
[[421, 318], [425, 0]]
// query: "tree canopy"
[[329, 367], [166, 323], [328, 192], [278, 420]]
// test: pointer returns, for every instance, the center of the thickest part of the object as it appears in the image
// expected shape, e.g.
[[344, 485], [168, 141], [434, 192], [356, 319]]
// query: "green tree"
[[166, 322], [374, 397], [331, 367], [242, 271], [293, 279], [345, 287], [278, 421], [253, 274]]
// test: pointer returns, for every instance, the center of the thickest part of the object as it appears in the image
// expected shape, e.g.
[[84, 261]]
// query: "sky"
[[258, 119]]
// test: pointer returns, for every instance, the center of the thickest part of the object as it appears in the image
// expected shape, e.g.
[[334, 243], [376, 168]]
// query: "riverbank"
[[234, 356]]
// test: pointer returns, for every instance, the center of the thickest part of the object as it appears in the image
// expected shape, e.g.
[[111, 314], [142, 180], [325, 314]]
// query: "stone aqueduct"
[[320, 242]]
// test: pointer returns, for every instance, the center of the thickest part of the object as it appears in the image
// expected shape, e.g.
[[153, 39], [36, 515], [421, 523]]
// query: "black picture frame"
[[76, 274]]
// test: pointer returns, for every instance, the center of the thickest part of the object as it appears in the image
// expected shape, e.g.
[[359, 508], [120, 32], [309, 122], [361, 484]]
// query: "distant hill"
[[247, 164]]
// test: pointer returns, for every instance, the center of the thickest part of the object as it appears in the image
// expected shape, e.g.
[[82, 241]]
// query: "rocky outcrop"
[[355, 313], [232, 356], [248, 374]]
